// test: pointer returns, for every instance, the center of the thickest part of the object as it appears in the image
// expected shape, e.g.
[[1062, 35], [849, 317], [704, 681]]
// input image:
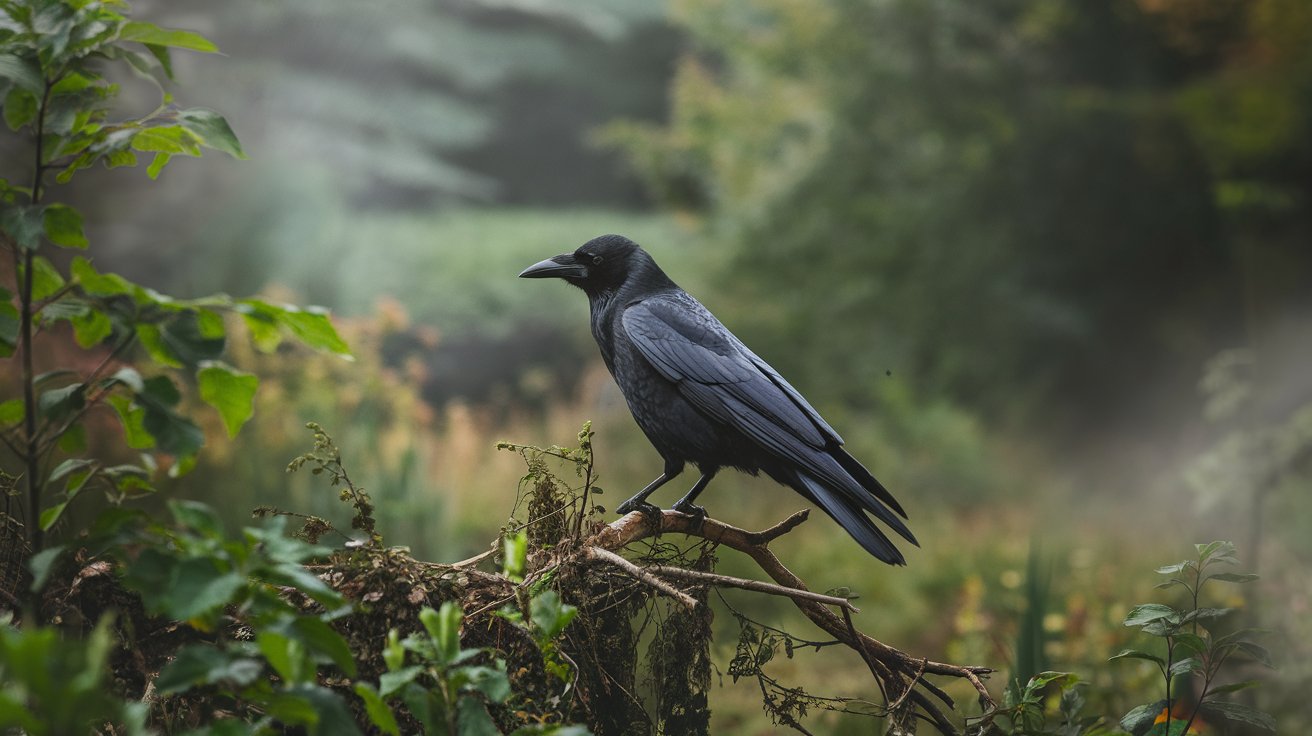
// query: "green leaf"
[[1188, 664], [157, 165], [380, 714], [230, 391], [1240, 713], [22, 72], [491, 681], [312, 327], [392, 682], [514, 554], [1256, 651], [1172, 569], [1150, 612], [149, 33], [91, 328], [174, 434], [152, 339], [1233, 577], [100, 284], [197, 517], [287, 656], [51, 515], [1139, 718], [20, 108], [1234, 687], [1193, 642], [187, 341], [42, 564], [202, 664], [213, 131], [472, 719], [321, 639], [60, 403], [551, 616], [443, 628], [1138, 654], [133, 420], [46, 280], [69, 466], [64, 226], [25, 223], [200, 588]]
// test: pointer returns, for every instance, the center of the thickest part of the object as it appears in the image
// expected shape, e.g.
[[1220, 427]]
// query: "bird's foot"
[[697, 513], [652, 512]]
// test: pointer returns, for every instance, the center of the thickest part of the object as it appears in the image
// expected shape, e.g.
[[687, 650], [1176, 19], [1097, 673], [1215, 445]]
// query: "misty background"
[[1047, 266]]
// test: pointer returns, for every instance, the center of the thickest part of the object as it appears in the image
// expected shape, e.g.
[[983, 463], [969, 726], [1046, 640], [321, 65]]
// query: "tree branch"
[[897, 673]]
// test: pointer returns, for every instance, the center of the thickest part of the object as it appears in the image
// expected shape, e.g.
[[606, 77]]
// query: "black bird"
[[702, 397]]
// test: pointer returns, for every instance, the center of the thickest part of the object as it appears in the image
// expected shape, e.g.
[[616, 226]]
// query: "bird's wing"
[[721, 377], [718, 374]]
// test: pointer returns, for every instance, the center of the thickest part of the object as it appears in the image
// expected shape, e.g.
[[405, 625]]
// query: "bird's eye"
[[596, 260]]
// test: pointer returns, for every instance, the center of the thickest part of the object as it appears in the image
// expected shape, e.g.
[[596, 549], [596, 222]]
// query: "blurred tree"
[[1023, 204]]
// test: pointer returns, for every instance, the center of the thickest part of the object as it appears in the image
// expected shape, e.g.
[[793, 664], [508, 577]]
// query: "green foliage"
[[54, 56], [55, 685], [1194, 648]]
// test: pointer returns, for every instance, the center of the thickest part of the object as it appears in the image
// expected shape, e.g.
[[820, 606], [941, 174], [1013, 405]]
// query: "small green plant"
[[1024, 710], [56, 686], [1195, 648], [444, 686]]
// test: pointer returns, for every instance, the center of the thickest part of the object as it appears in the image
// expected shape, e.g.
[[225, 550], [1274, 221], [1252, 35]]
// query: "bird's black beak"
[[563, 266]]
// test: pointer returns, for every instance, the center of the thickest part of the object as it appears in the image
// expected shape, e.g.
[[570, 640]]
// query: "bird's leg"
[[685, 505], [639, 500]]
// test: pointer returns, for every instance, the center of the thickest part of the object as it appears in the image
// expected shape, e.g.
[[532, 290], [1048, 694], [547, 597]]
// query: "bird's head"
[[601, 264]]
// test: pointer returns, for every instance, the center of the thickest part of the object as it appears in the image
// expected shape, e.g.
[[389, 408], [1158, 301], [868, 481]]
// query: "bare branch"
[[755, 585], [605, 555]]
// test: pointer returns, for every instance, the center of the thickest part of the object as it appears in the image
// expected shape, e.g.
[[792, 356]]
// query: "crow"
[[702, 397]]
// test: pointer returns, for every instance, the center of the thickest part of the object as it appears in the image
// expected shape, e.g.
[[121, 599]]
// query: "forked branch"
[[899, 675]]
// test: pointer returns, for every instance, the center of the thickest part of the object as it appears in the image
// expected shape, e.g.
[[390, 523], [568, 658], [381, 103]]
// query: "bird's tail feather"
[[867, 481], [851, 517]]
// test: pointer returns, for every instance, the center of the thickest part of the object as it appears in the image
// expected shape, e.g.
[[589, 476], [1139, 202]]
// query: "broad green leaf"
[[1256, 651], [22, 72], [185, 339], [491, 681], [230, 391], [100, 284], [320, 638], [1150, 612], [312, 327], [1233, 577], [64, 226], [288, 657], [1172, 569], [1138, 654], [1240, 713], [202, 664], [20, 108], [198, 588], [152, 339], [443, 628], [392, 682], [174, 434], [133, 419], [1193, 642], [551, 616], [25, 223], [1188, 664], [472, 719], [42, 564], [51, 515], [380, 714], [197, 517], [213, 131], [1234, 687], [60, 403], [1139, 718], [46, 280], [69, 466], [170, 139], [149, 33]]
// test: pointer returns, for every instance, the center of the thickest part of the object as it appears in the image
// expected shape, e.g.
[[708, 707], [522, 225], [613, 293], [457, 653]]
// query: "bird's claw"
[[697, 513], [652, 512]]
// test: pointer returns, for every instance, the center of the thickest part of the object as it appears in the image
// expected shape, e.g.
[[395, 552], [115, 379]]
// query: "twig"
[[605, 555], [756, 585]]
